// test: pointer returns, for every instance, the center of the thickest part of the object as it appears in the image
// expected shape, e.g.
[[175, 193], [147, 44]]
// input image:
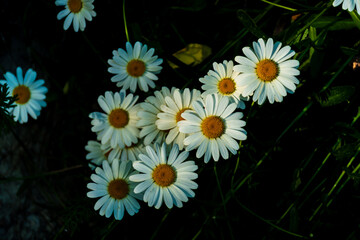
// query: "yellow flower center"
[[136, 68], [267, 70], [164, 175], [118, 188], [212, 127], [178, 115], [22, 93], [226, 86], [75, 6], [118, 118]]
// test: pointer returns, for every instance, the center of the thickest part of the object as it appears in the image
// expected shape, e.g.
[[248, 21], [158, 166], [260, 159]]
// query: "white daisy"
[[266, 71], [76, 11], [148, 115], [348, 5], [30, 94], [115, 190], [221, 80], [136, 66], [131, 153], [176, 104], [118, 125], [165, 177], [96, 154], [214, 127]]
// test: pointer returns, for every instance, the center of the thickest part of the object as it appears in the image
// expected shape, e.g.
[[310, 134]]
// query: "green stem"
[[223, 201], [270, 223], [280, 6], [160, 224], [125, 24], [335, 185]]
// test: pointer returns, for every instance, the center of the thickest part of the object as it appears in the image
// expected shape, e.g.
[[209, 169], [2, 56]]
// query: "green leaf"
[[334, 23], [346, 151], [349, 51], [250, 24], [356, 18], [336, 95]]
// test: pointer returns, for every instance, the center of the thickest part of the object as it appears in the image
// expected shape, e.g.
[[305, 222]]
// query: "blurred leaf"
[[336, 95], [333, 23], [349, 51], [250, 24], [346, 151], [318, 53], [193, 54], [356, 18], [66, 87]]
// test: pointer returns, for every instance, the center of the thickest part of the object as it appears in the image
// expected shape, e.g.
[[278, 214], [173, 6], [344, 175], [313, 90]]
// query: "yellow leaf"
[[193, 54]]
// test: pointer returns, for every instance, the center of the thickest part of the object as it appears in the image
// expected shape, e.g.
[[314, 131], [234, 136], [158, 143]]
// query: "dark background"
[[44, 170]]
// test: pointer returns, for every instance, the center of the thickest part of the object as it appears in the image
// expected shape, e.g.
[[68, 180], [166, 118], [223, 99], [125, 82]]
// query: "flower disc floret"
[[226, 86], [75, 5], [118, 189], [212, 127], [118, 118], [136, 68], [267, 70], [164, 175], [22, 94]]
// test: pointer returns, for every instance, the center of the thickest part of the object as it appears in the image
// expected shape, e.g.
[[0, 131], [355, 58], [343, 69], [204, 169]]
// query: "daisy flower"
[[165, 177], [214, 127], [221, 80], [96, 155], [115, 190], [132, 152], [148, 115], [136, 66], [76, 11], [118, 124], [30, 94], [266, 71], [176, 104], [348, 5]]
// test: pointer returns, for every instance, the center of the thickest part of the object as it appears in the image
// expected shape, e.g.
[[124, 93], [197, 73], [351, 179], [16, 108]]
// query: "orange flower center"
[[118, 118], [267, 70], [164, 175], [118, 189], [136, 68], [212, 127], [22, 94], [75, 6], [178, 115], [226, 86]]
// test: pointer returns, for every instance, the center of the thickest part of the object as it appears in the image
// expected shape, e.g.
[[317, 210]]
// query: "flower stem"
[[125, 24]]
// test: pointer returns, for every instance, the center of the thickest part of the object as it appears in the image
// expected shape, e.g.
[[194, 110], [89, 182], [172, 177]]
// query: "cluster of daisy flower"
[[142, 148], [28, 92]]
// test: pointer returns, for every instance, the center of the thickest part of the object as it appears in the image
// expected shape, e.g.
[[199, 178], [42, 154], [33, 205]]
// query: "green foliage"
[[6, 103], [336, 95]]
